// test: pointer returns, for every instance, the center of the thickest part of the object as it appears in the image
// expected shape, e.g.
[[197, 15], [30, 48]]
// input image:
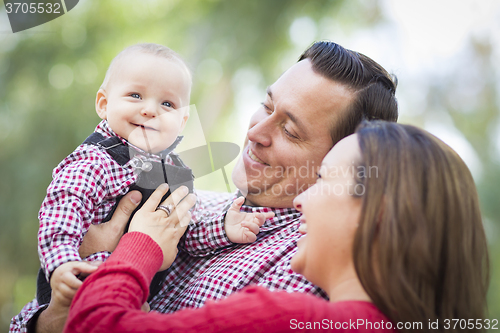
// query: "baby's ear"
[[101, 103], [184, 121], [184, 118]]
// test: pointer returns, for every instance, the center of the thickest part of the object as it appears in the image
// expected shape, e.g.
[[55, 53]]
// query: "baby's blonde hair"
[[149, 48]]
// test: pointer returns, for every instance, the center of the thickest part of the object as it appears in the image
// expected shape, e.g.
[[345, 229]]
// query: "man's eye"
[[266, 107], [318, 175], [134, 95], [167, 104], [288, 133]]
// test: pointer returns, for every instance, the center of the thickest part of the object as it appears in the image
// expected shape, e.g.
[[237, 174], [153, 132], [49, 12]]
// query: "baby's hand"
[[243, 227], [64, 281]]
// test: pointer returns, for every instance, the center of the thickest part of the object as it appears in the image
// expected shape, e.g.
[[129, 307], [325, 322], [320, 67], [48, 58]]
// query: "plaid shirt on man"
[[210, 267]]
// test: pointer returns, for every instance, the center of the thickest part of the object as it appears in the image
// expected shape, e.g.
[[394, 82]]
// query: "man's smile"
[[254, 157]]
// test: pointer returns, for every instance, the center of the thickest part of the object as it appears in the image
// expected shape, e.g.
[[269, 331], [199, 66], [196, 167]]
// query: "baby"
[[144, 104]]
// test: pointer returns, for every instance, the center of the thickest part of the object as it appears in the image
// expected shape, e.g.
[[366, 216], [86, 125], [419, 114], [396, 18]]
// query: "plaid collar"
[[282, 216], [105, 130]]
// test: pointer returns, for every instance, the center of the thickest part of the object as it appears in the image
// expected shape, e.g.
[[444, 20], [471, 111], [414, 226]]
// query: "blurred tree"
[[50, 74]]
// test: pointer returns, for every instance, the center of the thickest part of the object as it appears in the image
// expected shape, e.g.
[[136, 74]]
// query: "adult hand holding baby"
[[165, 231], [167, 225], [105, 236], [102, 237]]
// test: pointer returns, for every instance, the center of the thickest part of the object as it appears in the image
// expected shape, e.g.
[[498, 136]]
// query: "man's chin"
[[242, 185], [249, 189], [258, 191], [239, 178]]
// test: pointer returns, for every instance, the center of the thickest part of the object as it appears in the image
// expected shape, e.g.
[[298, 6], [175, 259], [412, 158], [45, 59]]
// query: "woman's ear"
[[101, 103]]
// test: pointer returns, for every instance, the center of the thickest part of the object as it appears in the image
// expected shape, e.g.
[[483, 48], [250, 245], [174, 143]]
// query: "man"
[[313, 105]]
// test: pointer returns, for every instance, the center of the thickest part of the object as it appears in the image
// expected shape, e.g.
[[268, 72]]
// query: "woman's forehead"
[[345, 152]]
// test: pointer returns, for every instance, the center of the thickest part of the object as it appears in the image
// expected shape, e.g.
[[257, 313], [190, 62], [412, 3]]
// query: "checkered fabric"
[[210, 267], [84, 189]]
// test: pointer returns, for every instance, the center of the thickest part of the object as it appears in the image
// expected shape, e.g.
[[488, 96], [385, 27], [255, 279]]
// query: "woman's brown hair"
[[420, 250]]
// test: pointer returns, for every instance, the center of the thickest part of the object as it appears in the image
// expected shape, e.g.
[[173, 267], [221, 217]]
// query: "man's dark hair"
[[372, 86]]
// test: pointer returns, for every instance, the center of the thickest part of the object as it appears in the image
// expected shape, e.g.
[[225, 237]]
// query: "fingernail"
[[135, 197], [164, 186]]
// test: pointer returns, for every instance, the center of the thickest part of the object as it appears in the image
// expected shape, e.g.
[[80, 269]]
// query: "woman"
[[394, 236]]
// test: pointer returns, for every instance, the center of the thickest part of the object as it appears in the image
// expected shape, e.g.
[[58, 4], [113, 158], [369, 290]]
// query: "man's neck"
[[268, 201], [249, 203]]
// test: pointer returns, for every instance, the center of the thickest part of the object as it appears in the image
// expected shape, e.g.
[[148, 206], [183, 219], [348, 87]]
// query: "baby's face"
[[146, 100]]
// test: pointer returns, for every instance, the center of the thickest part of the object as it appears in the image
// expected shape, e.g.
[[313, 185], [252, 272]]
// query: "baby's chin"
[[147, 148], [151, 141]]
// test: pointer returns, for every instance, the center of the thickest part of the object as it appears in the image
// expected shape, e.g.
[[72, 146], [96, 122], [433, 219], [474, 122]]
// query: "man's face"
[[289, 136]]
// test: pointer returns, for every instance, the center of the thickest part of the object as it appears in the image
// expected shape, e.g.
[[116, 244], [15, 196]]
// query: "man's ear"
[[101, 103]]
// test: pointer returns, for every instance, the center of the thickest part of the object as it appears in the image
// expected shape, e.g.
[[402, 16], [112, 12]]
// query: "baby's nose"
[[149, 111]]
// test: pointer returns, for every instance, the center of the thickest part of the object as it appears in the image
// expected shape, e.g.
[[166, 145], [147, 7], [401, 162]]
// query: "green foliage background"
[[40, 125]]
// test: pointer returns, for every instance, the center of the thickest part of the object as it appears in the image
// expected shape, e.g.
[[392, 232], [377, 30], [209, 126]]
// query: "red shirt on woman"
[[111, 298]]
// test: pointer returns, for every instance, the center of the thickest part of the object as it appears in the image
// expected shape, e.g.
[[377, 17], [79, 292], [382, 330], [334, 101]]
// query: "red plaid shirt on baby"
[[84, 189]]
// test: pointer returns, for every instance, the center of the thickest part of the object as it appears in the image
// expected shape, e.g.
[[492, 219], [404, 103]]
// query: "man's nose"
[[261, 130]]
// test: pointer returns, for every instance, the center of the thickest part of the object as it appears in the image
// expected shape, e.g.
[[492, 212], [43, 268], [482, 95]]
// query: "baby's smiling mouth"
[[145, 127]]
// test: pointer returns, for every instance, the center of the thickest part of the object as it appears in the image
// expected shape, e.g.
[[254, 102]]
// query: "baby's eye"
[[134, 95], [167, 104]]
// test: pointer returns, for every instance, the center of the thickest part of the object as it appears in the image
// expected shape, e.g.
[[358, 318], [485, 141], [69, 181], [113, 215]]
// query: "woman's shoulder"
[[362, 316], [311, 312]]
